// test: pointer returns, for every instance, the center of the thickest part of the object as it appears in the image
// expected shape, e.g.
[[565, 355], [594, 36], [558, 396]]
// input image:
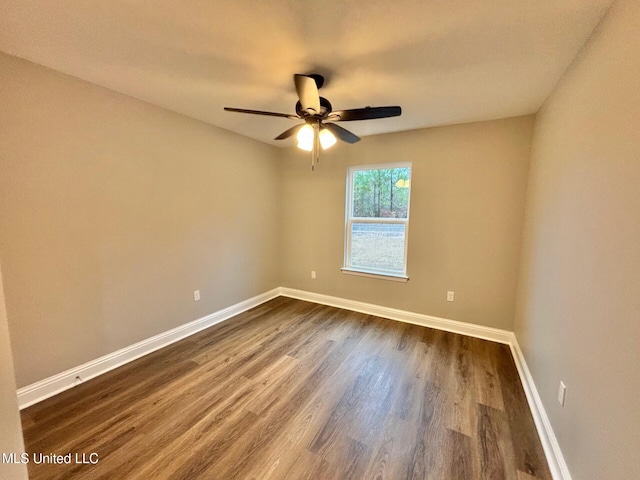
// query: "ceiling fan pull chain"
[[315, 151], [313, 157], [317, 141]]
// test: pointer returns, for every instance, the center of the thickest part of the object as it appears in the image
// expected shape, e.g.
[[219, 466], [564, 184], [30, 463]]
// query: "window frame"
[[350, 220]]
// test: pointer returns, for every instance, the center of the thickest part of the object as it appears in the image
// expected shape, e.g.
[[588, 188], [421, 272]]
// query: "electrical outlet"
[[450, 296], [196, 295], [313, 274], [562, 393]]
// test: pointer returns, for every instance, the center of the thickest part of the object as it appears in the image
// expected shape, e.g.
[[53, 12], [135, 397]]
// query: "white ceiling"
[[443, 61]]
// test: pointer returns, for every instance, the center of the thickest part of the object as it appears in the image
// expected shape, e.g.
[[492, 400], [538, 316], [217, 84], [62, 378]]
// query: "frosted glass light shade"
[[305, 138], [327, 139]]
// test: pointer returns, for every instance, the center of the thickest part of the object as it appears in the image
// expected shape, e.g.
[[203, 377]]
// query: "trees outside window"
[[377, 219]]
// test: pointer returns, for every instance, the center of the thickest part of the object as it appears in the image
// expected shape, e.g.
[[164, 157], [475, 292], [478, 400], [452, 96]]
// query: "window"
[[377, 220]]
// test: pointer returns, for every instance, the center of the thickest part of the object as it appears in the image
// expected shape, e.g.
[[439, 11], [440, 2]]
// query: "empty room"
[[287, 239]]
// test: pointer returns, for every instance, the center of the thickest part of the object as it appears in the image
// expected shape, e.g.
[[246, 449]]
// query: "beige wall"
[[467, 204], [10, 428], [113, 211], [578, 315]]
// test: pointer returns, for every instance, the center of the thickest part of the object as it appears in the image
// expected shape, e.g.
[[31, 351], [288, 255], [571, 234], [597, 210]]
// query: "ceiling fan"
[[319, 130]]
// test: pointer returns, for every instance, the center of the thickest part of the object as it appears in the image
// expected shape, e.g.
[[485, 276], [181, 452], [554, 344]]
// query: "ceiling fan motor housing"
[[325, 109]]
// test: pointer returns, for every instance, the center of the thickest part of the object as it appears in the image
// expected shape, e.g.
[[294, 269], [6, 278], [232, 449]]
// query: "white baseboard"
[[454, 326], [55, 384], [555, 459]]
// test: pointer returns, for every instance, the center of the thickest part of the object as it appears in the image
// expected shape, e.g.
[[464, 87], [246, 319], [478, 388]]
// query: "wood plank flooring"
[[294, 390]]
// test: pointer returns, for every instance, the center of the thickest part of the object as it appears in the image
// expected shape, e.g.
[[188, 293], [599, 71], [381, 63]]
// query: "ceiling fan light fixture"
[[305, 138], [327, 139], [315, 135]]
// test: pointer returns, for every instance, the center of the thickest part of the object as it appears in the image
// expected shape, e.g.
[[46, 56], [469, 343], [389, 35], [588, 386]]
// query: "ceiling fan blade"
[[307, 92], [342, 133], [367, 113], [290, 132], [260, 112]]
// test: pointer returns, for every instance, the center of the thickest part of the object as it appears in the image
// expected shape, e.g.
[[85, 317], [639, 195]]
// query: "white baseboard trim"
[[55, 384], [555, 459], [454, 326]]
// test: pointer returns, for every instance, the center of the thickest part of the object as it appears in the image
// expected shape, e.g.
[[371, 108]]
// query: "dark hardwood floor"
[[294, 390]]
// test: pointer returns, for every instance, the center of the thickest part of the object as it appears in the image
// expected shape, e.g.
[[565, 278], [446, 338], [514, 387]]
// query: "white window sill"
[[381, 276]]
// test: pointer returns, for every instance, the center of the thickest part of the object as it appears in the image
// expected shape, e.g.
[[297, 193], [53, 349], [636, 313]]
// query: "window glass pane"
[[378, 246], [381, 193]]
